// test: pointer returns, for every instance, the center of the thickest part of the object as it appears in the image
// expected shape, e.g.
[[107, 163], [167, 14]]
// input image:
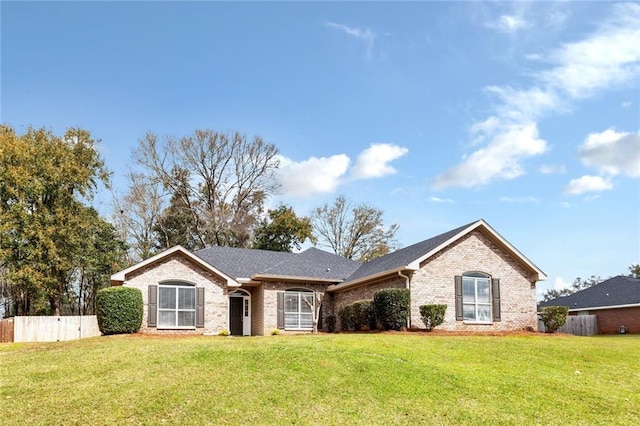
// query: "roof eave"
[[360, 281], [270, 277]]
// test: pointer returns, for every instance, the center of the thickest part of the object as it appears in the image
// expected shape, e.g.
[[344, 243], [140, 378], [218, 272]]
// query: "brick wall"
[[434, 283], [610, 320], [270, 302], [177, 267]]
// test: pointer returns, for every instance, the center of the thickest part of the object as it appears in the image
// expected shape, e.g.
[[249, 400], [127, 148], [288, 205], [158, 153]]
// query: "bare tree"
[[136, 214], [314, 307], [353, 232], [229, 178]]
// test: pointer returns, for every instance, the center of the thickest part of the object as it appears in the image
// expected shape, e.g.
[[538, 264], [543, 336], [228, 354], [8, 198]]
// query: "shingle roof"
[[404, 256], [245, 263], [620, 290]]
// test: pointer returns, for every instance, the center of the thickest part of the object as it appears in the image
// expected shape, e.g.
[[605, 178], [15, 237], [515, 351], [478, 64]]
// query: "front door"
[[236, 315]]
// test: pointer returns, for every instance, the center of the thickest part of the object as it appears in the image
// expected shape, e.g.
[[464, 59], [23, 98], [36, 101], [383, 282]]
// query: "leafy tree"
[[353, 232], [43, 222], [553, 317], [635, 270], [228, 179], [577, 285], [284, 231]]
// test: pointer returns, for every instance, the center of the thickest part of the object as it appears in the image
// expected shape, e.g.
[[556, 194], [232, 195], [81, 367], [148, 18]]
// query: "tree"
[[553, 317], [315, 308], [227, 181], [136, 215], [43, 222], [284, 231], [353, 232], [634, 270], [577, 285]]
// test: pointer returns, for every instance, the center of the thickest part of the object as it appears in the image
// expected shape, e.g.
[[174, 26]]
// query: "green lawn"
[[323, 379]]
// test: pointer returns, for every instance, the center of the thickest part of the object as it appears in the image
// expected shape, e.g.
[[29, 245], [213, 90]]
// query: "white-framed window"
[[176, 306], [476, 297], [298, 315]]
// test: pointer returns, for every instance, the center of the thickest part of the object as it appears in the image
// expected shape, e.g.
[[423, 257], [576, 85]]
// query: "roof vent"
[[328, 269]]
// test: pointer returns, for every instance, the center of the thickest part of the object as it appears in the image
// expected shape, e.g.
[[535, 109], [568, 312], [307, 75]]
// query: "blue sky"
[[524, 114]]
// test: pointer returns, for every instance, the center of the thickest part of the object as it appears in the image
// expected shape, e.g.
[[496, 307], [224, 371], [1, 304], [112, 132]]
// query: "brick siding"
[[610, 320]]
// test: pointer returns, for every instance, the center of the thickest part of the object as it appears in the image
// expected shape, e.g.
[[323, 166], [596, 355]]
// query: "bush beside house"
[[553, 317], [119, 310], [432, 315]]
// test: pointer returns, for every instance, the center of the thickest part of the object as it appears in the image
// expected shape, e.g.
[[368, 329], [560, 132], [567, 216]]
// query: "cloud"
[[626, 104], [313, 176], [587, 184], [366, 35], [608, 58], [520, 200], [612, 153], [500, 159], [508, 24], [550, 169], [374, 161], [324, 175], [433, 199]]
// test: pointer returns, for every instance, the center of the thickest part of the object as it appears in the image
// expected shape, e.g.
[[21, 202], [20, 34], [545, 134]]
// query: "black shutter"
[[459, 311], [200, 307], [495, 289], [152, 306], [281, 310]]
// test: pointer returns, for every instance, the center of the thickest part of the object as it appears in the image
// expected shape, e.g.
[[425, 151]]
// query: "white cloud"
[[500, 159], [550, 169], [609, 58], [508, 24], [520, 200], [612, 153], [313, 176], [626, 104], [433, 199], [374, 161], [588, 184], [559, 283], [364, 34]]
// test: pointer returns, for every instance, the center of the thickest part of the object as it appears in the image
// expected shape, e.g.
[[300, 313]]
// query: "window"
[[298, 315], [476, 297], [176, 306]]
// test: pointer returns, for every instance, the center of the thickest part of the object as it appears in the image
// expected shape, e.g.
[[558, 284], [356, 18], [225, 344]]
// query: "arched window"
[[176, 305], [476, 297], [298, 309]]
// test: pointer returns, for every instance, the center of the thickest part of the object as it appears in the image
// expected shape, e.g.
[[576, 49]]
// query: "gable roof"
[[616, 292], [120, 277], [312, 264], [410, 258]]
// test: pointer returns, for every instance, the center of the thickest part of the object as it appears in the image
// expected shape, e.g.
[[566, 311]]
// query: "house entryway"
[[240, 313]]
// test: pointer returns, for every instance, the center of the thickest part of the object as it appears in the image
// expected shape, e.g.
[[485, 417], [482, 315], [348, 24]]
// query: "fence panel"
[[53, 329], [579, 325], [6, 330]]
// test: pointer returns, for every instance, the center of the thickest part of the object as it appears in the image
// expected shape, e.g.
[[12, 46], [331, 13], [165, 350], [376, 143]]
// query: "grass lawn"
[[324, 379]]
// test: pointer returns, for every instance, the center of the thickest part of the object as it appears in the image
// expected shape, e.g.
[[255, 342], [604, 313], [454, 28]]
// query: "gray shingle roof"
[[615, 291], [245, 263], [404, 256]]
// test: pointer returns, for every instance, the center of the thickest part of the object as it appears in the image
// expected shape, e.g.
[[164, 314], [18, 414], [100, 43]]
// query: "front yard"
[[324, 379]]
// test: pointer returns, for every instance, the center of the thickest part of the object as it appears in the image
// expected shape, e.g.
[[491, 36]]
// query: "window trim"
[[478, 276], [299, 312], [176, 286]]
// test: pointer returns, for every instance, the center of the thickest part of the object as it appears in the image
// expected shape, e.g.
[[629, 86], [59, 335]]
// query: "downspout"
[[408, 287]]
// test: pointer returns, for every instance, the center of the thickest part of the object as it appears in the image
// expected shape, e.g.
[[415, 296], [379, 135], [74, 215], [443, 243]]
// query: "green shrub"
[[119, 310], [554, 317], [392, 307], [347, 318], [275, 332], [432, 315], [331, 323]]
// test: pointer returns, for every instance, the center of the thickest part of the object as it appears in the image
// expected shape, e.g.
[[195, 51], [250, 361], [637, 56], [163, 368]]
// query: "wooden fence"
[[579, 325], [52, 329], [6, 330]]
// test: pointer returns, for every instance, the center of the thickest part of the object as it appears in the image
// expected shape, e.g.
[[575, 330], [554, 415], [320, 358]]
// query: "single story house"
[[615, 302], [486, 283]]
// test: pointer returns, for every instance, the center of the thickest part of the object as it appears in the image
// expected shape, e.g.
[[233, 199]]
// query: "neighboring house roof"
[[312, 263], [616, 292]]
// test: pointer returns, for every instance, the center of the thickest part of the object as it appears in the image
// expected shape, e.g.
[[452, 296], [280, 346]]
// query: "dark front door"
[[235, 315]]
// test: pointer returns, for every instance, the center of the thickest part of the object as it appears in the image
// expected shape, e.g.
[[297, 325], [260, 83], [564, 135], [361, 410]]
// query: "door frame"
[[246, 310]]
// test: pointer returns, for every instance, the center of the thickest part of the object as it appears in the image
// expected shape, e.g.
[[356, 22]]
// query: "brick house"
[[615, 302], [487, 284]]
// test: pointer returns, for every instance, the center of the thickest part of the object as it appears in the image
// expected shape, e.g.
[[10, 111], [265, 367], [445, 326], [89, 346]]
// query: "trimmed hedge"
[[554, 317], [347, 318], [331, 323], [432, 315], [119, 310], [392, 307]]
